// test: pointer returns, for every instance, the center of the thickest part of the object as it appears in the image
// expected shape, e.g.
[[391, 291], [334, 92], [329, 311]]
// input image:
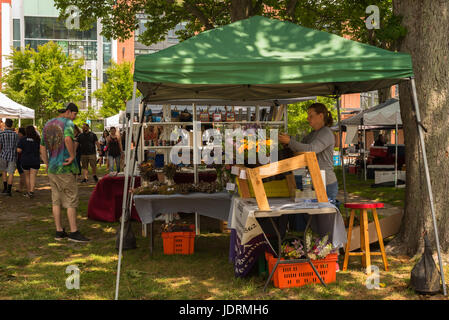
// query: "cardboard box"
[[387, 176], [388, 225]]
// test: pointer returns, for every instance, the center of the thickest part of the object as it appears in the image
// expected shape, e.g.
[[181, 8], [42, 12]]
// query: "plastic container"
[[178, 242], [273, 189], [300, 274]]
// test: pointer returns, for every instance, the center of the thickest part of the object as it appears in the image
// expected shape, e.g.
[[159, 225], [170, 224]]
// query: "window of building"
[[52, 28], [171, 36], [107, 54], [396, 91], [16, 29], [141, 28], [369, 99], [143, 51]]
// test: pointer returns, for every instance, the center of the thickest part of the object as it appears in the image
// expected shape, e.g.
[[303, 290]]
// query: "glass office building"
[[42, 24]]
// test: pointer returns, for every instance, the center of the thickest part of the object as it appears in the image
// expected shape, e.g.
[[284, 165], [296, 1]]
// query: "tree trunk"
[[384, 94], [241, 9], [427, 41]]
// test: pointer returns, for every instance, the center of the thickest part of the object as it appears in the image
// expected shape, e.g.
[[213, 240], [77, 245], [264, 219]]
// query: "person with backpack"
[[115, 150]]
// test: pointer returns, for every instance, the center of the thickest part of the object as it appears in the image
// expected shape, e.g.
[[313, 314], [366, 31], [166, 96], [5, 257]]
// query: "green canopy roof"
[[260, 58]]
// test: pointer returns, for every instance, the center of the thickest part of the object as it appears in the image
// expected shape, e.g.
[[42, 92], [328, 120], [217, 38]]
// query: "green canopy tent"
[[259, 59]]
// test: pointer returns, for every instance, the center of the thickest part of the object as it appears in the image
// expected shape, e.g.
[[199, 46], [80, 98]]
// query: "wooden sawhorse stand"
[[256, 175]]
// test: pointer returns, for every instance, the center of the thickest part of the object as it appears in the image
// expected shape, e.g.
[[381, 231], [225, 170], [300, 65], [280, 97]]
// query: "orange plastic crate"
[[300, 274], [179, 242]]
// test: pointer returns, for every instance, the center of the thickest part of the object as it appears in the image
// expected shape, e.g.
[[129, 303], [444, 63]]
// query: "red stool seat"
[[368, 205]]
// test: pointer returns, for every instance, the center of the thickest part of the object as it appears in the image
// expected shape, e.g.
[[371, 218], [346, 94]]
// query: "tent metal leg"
[[429, 185], [125, 188], [364, 154], [341, 152]]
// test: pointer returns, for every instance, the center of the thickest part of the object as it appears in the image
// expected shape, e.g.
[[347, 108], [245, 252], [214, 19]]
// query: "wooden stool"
[[364, 235]]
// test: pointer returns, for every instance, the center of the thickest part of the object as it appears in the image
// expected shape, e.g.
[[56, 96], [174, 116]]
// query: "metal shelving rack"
[[196, 143], [198, 124]]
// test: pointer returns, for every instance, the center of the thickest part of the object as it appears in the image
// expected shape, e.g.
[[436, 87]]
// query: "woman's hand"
[[284, 138]]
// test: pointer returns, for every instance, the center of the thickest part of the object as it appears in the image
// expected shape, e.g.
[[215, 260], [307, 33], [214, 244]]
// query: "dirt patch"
[[18, 208]]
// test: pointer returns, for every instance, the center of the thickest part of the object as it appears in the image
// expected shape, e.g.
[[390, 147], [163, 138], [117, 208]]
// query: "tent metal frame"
[[130, 167]]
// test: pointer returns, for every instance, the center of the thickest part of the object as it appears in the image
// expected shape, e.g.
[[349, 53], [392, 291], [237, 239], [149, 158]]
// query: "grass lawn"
[[33, 265], [360, 187]]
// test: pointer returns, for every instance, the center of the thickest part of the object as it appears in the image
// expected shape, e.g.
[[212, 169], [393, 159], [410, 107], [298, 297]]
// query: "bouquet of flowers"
[[146, 170], [315, 248], [318, 248], [247, 143], [292, 249]]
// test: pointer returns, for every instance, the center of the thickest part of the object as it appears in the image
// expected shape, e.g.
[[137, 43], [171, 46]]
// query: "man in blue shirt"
[[8, 156]]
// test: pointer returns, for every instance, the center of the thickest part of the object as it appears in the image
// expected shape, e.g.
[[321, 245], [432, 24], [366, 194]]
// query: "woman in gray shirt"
[[321, 141]]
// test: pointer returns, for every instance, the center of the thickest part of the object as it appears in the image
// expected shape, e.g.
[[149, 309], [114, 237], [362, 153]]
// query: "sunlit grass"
[[362, 188], [33, 266]]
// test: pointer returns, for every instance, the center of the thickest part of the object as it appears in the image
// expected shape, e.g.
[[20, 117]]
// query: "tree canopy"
[[343, 17], [297, 115], [43, 80], [117, 90]]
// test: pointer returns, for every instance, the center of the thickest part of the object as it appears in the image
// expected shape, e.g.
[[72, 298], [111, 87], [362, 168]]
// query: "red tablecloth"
[[105, 203]]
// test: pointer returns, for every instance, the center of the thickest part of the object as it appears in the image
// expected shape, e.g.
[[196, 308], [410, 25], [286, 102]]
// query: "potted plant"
[[170, 171], [146, 170]]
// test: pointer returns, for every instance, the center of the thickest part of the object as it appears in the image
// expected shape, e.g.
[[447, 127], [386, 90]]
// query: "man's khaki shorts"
[[88, 158], [64, 190]]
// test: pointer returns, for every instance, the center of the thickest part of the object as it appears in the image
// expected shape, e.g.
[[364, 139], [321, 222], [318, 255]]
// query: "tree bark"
[[241, 9], [384, 94], [427, 41], [195, 11]]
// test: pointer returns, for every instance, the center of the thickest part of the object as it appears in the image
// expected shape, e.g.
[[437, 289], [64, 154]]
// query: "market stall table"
[[105, 202], [213, 205], [249, 240]]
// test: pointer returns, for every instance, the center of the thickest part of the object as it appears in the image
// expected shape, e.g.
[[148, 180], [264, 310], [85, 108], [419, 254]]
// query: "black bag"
[[185, 116], [425, 277], [129, 239]]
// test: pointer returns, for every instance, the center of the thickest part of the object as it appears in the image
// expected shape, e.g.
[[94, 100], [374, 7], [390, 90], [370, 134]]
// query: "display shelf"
[[164, 147], [163, 123], [244, 122]]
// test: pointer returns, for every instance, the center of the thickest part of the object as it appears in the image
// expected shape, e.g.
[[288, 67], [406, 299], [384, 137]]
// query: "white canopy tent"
[[115, 121], [387, 114], [11, 109]]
